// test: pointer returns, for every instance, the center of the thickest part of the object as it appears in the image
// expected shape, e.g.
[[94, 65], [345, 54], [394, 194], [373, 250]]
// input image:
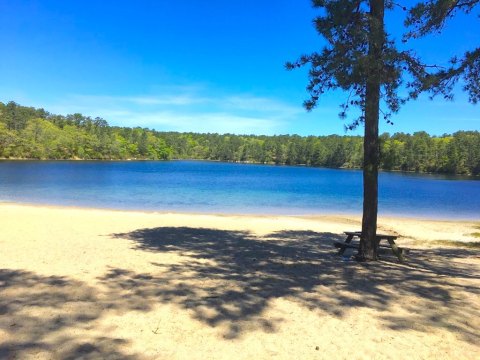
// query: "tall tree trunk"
[[368, 245]]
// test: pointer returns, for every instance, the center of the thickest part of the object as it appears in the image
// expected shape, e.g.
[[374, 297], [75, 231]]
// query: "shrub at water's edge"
[[30, 133]]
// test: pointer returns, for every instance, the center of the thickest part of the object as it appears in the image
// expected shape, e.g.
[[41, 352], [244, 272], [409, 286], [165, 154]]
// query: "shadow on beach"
[[49, 317], [229, 279]]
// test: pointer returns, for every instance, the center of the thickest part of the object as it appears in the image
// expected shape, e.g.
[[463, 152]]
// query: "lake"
[[213, 187]]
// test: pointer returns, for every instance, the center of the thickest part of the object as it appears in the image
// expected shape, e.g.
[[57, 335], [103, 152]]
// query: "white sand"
[[84, 283]]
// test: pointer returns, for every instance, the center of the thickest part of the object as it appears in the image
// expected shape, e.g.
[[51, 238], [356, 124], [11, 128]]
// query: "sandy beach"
[[102, 284]]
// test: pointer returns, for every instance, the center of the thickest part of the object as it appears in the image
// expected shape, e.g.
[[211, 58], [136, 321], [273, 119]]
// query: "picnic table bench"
[[398, 251]]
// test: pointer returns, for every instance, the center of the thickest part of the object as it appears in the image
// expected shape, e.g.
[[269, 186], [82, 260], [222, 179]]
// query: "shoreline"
[[240, 214], [411, 231]]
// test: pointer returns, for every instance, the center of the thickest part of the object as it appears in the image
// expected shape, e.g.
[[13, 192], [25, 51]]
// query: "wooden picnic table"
[[356, 234]]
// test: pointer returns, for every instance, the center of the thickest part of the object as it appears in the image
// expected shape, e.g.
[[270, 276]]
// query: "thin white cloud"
[[207, 122], [107, 100], [165, 100], [262, 104], [192, 109]]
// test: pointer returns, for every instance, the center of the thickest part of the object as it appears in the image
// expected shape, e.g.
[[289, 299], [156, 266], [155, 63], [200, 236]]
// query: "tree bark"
[[368, 245]]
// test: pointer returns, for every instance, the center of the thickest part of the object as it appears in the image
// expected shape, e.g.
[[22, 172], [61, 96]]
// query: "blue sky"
[[192, 65]]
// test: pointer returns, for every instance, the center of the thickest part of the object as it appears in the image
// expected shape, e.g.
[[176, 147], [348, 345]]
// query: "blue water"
[[196, 186]]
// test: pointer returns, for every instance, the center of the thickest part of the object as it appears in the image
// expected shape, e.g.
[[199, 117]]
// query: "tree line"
[[31, 133]]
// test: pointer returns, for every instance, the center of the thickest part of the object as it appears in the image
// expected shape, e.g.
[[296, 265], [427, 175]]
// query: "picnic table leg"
[[348, 240], [377, 246], [396, 250]]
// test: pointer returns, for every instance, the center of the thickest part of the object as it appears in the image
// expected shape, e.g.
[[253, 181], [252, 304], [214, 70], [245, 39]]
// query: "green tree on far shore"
[[51, 136]]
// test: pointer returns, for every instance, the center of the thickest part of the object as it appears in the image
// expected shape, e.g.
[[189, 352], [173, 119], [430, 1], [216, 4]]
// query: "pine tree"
[[361, 59], [431, 16]]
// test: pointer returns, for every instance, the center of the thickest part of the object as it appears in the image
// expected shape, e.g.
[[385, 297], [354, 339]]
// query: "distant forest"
[[31, 133]]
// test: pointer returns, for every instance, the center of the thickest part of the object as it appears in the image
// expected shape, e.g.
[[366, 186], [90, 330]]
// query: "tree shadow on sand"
[[228, 279], [50, 317]]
